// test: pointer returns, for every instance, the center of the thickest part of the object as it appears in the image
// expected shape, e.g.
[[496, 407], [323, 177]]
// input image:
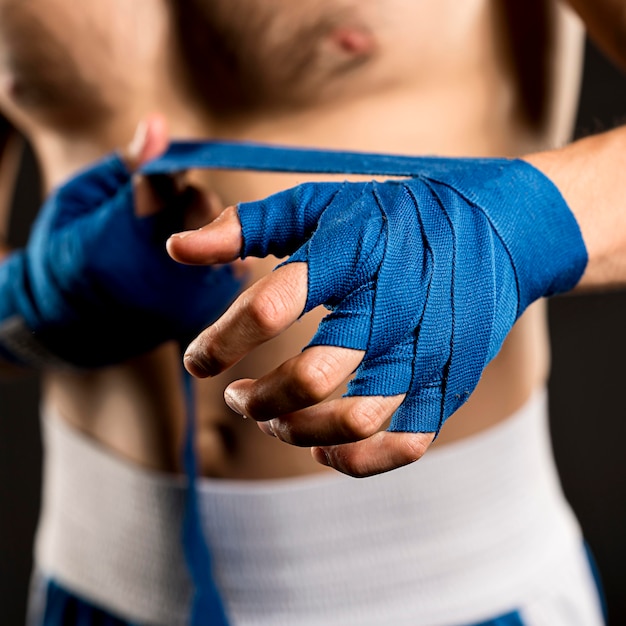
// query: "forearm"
[[590, 175]]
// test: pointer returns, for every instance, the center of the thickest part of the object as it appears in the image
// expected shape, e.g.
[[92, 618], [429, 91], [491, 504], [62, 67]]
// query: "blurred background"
[[588, 414]]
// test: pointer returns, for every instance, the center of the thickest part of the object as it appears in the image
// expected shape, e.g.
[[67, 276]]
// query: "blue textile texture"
[[427, 274], [63, 608], [95, 284]]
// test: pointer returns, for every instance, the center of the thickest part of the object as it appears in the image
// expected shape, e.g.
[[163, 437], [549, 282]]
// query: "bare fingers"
[[303, 381], [345, 433], [150, 140], [382, 452], [217, 242], [260, 313]]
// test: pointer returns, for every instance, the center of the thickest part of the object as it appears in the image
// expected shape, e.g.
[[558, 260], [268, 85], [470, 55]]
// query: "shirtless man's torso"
[[477, 78], [419, 79]]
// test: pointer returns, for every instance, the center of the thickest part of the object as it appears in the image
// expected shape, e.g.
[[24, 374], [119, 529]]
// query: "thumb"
[[218, 242], [151, 193], [278, 225], [150, 141]]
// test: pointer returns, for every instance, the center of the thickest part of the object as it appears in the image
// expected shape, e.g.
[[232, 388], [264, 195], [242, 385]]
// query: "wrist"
[[588, 173]]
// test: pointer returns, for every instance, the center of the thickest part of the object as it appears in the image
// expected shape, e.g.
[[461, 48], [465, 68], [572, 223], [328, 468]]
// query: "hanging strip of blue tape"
[[208, 608]]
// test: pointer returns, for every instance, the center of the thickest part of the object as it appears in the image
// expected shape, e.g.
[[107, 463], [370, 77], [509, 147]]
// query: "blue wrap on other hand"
[[95, 286], [428, 274]]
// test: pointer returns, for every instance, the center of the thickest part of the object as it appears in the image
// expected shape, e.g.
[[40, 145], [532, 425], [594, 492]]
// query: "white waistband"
[[463, 534]]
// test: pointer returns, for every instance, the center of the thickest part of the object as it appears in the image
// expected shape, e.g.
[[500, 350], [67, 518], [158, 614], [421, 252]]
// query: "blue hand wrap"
[[95, 285], [426, 275]]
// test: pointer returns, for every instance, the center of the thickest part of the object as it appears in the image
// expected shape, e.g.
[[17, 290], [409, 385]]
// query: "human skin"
[[379, 81], [348, 433]]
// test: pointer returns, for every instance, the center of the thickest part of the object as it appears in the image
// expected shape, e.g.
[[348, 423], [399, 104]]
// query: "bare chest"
[[243, 57]]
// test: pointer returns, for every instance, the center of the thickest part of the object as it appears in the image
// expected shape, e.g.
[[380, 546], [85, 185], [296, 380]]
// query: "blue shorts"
[[63, 608]]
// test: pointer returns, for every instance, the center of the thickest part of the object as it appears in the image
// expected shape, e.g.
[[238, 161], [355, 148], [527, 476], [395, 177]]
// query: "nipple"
[[354, 41]]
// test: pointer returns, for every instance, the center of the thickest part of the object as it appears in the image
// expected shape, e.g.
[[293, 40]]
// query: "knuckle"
[[268, 310], [366, 417], [315, 377]]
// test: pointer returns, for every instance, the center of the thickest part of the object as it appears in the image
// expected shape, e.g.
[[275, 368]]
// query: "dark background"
[[587, 403]]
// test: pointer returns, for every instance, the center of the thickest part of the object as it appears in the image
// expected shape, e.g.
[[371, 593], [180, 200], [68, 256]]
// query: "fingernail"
[[183, 234], [193, 367], [139, 140], [267, 428], [320, 455], [233, 402]]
